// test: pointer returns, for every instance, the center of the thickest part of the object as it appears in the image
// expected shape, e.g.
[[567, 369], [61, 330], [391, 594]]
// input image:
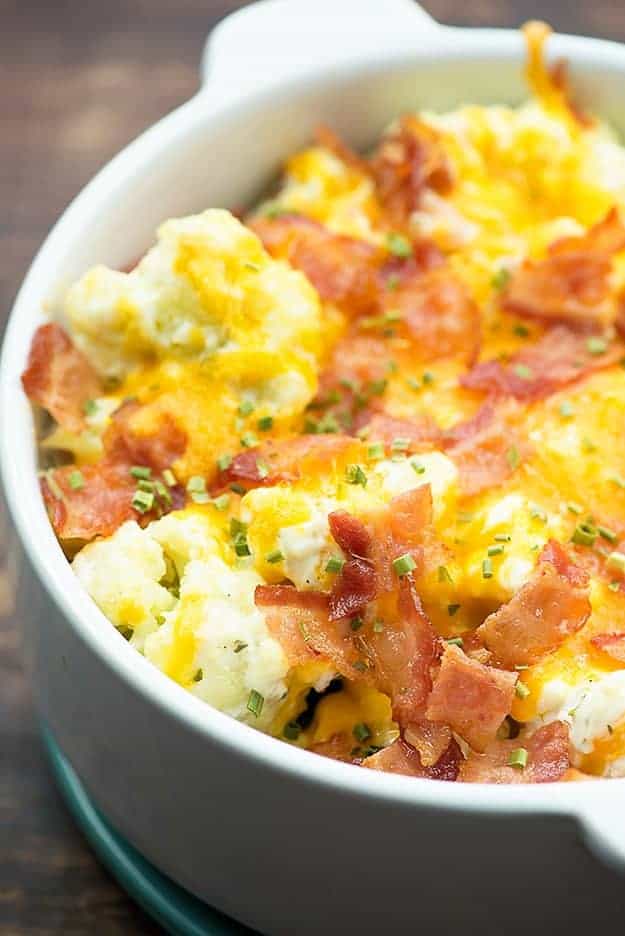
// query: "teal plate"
[[176, 910]]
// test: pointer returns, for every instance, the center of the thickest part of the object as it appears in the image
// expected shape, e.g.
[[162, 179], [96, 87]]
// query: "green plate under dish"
[[176, 910]]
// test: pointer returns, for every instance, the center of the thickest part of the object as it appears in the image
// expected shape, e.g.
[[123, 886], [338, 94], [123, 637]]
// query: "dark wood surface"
[[78, 80]]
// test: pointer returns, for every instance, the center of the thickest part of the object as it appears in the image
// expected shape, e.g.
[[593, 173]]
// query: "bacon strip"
[[409, 160], [355, 586], [401, 758], [550, 607], [547, 758], [572, 283], [613, 644], [125, 444], [97, 508], [59, 377], [403, 654], [559, 358], [486, 448], [471, 698], [299, 620], [420, 436]]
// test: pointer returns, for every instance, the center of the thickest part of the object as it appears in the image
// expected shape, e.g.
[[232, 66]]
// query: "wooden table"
[[79, 80]]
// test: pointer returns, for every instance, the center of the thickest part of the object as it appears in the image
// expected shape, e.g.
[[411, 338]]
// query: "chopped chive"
[[141, 471], [398, 245], [518, 758], [76, 480], [487, 568], [596, 345], [500, 278], [355, 475], [378, 626], [275, 556], [237, 527], [413, 383], [265, 423], [537, 513], [169, 477], [455, 641], [262, 468], [614, 586], [356, 623], [246, 407], [574, 508], [237, 488], [584, 534], [403, 565], [375, 451], [521, 330], [291, 731], [616, 561], [198, 676], [360, 666], [222, 502], [428, 377], [143, 501], [513, 457], [90, 407], [255, 702], [249, 440], [588, 445], [453, 609], [391, 367], [334, 564], [417, 467], [196, 488], [224, 462], [145, 486], [521, 690], [495, 550], [502, 538], [607, 534], [523, 371], [400, 445], [239, 645], [444, 575], [304, 631], [361, 732], [162, 492], [566, 410]]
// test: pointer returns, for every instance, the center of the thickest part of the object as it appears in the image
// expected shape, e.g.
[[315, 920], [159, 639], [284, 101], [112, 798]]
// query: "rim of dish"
[[18, 455]]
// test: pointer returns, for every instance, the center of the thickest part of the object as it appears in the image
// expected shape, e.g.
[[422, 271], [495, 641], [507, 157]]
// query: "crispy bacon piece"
[[338, 747], [59, 377], [550, 607], [342, 269], [299, 621], [330, 140], [471, 698], [97, 508], [572, 283], [612, 644], [285, 460], [559, 358], [547, 758], [486, 448], [405, 525], [125, 444], [430, 739], [409, 160], [438, 313], [350, 533], [401, 758], [403, 654], [421, 435]]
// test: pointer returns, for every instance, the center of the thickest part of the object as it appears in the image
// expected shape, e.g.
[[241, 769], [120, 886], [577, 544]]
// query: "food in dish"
[[352, 472]]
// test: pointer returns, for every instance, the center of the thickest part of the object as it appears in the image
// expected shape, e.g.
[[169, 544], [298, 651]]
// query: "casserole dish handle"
[[274, 40]]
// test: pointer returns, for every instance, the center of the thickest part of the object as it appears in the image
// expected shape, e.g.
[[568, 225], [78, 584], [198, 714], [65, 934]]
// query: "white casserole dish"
[[278, 838]]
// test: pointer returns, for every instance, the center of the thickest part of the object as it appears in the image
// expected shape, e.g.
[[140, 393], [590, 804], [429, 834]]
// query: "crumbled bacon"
[[438, 313], [59, 377], [125, 443], [401, 758], [403, 653], [572, 283], [299, 620], [350, 533], [559, 358], [543, 613], [550, 607], [331, 141], [403, 526], [430, 739], [97, 508], [409, 160], [338, 747], [612, 644], [547, 758], [285, 460], [420, 435], [471, 698], [487, 449]]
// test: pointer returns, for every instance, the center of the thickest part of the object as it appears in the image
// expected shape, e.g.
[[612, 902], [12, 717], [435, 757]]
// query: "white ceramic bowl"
[[285, 841]]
